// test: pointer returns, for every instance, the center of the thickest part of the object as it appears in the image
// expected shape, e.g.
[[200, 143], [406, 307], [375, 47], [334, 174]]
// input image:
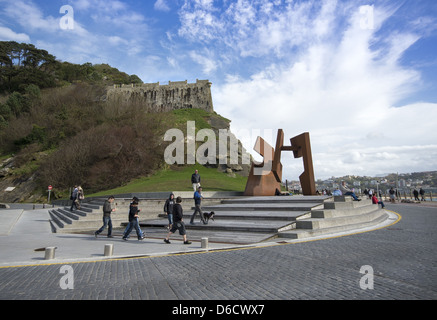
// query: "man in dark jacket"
[[168, 209], [107, 210], [416, 195], [422, 194], [195, 180], [178, 222], [133, 221], [73, 197]]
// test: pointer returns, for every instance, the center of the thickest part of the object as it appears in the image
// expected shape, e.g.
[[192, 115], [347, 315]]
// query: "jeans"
[[106, 222], [170, 218], [351, 194], [134, 224], [197, 209], [381, 203], [73, 204], [128, 226]]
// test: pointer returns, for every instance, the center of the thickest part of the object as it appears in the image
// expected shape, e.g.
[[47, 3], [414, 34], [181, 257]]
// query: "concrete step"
[[55, 221], [346, 204], [89, 217], [332, 213], [86, 226], [307, 233], [264, 226], [352, 218], [85, 208], [92, 206], [60, 217], [76, 213], [277, 199], [262, 207], [253, 215]]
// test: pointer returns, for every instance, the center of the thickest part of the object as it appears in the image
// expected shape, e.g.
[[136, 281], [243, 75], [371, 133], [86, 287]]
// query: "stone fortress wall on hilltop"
[[163, 98]]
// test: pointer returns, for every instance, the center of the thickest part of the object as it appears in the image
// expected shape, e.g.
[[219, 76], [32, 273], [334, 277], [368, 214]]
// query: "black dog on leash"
[[208, 215]]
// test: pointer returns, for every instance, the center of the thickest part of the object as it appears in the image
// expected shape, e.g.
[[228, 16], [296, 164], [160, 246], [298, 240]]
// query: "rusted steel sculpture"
[[265, 177], [262, 180]]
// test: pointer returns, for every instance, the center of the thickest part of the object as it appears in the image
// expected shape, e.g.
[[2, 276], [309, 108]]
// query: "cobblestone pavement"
[[402, 258]]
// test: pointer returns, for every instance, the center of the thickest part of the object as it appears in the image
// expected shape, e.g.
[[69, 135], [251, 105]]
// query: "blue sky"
[[360, 76]]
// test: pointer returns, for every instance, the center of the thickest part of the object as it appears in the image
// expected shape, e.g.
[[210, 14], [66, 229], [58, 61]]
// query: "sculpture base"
[[259, 185]]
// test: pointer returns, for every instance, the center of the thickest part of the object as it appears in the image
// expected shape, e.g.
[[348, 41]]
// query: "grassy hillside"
[[178, 179], [56, 128]]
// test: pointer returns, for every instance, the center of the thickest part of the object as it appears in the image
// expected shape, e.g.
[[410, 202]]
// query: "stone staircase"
[[257, 219], [339, 214], [88, 218], [238, 220], [247, 219]]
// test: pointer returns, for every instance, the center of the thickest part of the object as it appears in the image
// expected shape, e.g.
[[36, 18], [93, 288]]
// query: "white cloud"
[[7, 34], [341, 91], [28, 15], [199, 22], [161, 5], [109, 6], [116, 40], [297, 65], [208, 64], [257, 28]]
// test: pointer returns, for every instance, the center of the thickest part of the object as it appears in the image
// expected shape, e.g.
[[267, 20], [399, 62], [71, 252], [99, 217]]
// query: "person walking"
[[134, 199], [80, 196], [134, 223], [416, 195], [197, 204], [168, 209], [391, 193], [107, 210], [422, 194], [195, 180], [178, 222], [74, 198]]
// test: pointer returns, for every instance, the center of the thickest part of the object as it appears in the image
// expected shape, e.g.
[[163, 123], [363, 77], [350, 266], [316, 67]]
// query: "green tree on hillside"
[[22, 64]]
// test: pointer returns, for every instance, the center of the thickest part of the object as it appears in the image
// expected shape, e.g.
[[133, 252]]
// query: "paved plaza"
[[397, 261]]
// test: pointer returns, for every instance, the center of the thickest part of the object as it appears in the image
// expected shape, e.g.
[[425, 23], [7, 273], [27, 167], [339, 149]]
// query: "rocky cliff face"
[[163, 98], [18, 176], [14, 187]]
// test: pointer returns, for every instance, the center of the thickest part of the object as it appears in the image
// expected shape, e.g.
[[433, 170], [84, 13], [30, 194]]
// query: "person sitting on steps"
[[348, 192]]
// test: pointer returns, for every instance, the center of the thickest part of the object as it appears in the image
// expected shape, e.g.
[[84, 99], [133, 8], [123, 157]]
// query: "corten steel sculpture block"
[[302, 149], [262, 181], [265, 178]]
